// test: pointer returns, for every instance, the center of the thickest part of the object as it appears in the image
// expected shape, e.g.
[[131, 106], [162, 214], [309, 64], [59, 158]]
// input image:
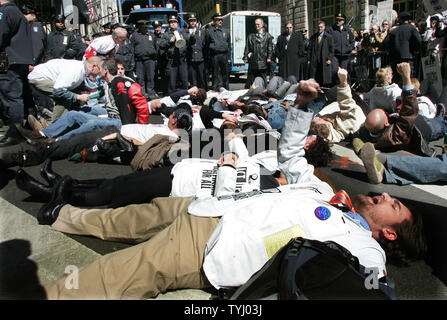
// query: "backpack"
[[310, 269]]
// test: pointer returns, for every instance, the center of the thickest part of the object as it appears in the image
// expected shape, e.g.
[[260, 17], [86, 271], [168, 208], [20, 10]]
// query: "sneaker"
[[34, 123], [358, 145], [374, 168]]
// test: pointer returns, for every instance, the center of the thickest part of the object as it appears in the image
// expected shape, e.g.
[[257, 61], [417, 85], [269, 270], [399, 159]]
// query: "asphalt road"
[[421, 280]]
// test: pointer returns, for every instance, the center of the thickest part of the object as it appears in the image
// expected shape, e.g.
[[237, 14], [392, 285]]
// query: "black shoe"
[[50, 211], [9, 141], [440, 112], [48, 174], [36, 189], [125, 144]]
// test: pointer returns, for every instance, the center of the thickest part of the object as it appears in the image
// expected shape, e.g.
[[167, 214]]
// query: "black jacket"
[[61, 44], [197, 46], [125, 53], [318, 54], [344, 41], [290, 58], [39, 38], [258, 49], [145, 46], [403, 42], [172, 52], [15, 36], [218, 40]]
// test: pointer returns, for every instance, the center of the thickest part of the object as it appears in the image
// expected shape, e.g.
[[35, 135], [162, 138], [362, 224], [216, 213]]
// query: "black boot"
[[50, 211], [36, 189], [48, 174]]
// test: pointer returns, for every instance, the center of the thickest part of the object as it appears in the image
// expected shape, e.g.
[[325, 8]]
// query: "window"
[[323, 10], [409, 6]]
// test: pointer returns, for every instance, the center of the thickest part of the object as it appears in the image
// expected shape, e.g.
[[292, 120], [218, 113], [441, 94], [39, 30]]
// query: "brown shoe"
[[34, 123], [30, 135]]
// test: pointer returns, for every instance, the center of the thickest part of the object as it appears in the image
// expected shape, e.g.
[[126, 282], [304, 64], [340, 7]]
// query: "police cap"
[[192, 16], [156, 23], [28, 9], [404, 16], [141, 23], [59, 18], [172, 18], [217, 16], [340, 16]]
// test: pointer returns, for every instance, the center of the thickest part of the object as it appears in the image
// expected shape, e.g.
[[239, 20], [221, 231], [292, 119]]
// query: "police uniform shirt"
[[66, 74]]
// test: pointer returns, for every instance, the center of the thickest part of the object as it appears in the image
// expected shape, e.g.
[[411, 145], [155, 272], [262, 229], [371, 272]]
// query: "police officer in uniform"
[[17, 52], [344, 43], [161, 85], [107, 28], [196, 54], [145, 49], [61, 43], [218, 43], [176, 67], [39, 38]]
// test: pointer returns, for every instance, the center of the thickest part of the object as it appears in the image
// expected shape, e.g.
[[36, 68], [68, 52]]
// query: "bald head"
[[376, 121]]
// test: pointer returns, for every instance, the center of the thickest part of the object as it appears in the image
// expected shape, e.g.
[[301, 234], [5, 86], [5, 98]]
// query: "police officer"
[[61, 43], [344, 44], [160, 69], [218, 43], [16, 47], [39, 38], [196, 54], [403, 42], [145, 49], [125, 53], [107, 29], [175, 49]]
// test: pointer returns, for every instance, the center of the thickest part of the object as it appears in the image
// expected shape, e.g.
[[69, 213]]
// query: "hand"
[[83, 97], [269, 60], [173, 39], [343, 76], [285, 105], [229, 117], [229, 61], [30, 68], [404, 70], [245, 60], [328, 61], [155, 105], [228, 159], [193, 91]]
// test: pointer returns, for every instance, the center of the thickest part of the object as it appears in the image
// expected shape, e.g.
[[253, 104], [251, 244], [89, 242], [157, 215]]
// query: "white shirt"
[[254, 225], [143, 132], [67, 74]]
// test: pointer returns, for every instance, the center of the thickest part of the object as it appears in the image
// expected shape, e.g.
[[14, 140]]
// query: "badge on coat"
[[65, 41], [322, 213], [1, 15], [127, 84], [35, 29]]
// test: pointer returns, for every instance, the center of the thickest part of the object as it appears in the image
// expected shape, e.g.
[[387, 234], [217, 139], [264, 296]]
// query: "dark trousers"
[[177, 69], [338, 61], [197, 74], [145, 71], [134, 188], [220, 71], [253, 73], [15, 95]]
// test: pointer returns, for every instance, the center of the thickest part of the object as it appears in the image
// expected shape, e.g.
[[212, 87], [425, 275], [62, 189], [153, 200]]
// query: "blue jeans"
[[276, 114], [438, 127], [77, 122], [413, 169]]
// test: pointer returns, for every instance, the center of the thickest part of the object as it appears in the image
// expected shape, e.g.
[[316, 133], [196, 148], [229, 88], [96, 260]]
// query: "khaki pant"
[[171, 259], [46, 86]]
